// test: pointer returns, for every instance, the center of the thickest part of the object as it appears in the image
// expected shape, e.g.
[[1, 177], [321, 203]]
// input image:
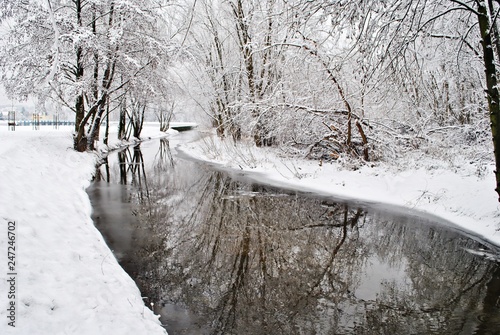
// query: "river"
[[216, 252]]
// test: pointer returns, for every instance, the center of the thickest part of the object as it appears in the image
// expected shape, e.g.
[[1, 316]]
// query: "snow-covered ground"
[[67, 280], [461, 196]]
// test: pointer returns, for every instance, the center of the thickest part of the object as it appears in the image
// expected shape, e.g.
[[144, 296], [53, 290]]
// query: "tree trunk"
[[365, 141], [121, 122], [106, 134], [494, 28], [491, 84], [245, 43], [138, 119], [333, 78], [96, 124], [80, 141]]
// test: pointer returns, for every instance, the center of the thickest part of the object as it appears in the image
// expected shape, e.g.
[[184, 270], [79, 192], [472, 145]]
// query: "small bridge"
[[183, 126]]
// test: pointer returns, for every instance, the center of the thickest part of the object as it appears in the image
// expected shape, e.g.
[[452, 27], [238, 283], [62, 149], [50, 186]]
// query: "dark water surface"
[[222, 255]]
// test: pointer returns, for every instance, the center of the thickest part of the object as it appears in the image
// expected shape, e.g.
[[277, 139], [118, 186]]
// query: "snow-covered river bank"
[[67, 280], [455, 196], [219, 251]]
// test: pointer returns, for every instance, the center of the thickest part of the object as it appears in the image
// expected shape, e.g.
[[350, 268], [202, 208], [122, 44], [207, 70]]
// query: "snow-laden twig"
[[55, 46]]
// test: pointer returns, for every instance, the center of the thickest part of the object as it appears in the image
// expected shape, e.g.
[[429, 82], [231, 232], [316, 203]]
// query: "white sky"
[[6, 101], [3, 97]]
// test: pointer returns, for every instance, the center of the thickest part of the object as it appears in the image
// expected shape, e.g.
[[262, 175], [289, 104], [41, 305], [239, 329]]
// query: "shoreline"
[[68, 281], [460, 199]]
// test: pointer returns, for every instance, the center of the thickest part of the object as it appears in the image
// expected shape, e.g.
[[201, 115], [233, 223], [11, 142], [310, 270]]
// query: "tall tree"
[[74, 52], [488, 29], [410, 43]]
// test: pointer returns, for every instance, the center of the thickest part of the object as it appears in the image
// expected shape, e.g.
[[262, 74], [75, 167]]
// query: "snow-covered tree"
[[340, 77], [82, 53], [325, 79]]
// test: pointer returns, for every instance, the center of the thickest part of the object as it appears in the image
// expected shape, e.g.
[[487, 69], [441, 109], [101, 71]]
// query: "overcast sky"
[[3, 97], [6, 101]]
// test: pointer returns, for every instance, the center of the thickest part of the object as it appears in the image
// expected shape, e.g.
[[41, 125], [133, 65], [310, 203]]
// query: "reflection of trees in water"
[[288, 264], [444, 285], [102, 172], [242, 255], [163, 158], [131, 171], [131, 164], [247, 260], [491, 305]]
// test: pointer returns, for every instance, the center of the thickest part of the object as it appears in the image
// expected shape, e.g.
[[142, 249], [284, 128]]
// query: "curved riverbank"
[[459, 196], [67, 278], [68, 281]]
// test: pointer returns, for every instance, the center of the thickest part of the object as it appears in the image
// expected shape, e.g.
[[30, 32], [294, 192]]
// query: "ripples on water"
[[223, 256]]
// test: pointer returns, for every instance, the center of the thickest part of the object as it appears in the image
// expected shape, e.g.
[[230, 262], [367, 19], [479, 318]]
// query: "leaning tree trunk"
[[80, 140], [491, 85], [96, 125]]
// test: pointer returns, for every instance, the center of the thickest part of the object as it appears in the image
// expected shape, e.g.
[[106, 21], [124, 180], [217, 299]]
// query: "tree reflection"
[[163, 158], [131, 171], [102, 172], [247, 259]]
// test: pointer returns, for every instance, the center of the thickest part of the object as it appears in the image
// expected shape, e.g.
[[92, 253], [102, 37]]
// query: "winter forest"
[[356, 81]]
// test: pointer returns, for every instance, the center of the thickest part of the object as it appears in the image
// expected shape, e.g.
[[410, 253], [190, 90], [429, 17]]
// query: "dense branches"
[[381, 75], [82, 53], [402, 60]]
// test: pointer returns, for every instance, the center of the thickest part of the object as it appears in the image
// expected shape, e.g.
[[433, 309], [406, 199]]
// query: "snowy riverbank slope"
[[67, 280], [459, 194]]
